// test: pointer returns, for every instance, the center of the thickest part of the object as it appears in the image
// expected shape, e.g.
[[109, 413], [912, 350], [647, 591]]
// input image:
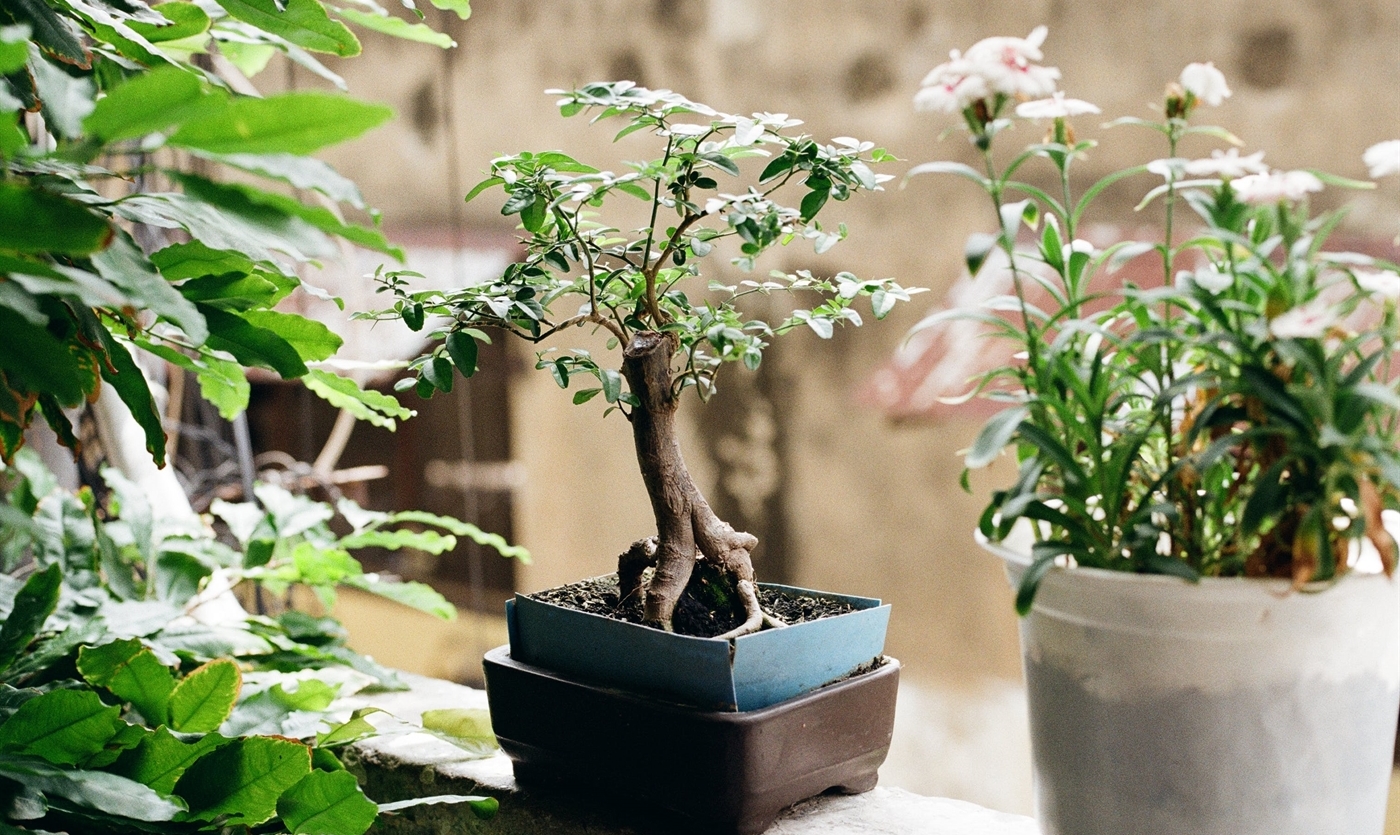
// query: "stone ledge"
[[414, 765]]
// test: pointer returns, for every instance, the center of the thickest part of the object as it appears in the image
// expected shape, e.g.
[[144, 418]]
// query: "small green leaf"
[[461, 8], [186, 20], [396, 27], [463, 350], [326, 803], [813, 202], [467, 728], [131, 671], [353, 730], [612, 384], [979, 246], [584, 395], [369, 405], [203, 699], [483, 807]]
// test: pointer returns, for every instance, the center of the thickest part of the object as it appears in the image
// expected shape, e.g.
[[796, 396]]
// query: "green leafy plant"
[[101, 104], [1237, 417], [136, 695], [644, 289]]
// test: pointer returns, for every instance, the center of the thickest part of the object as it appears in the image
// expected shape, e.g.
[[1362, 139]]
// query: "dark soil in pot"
[[705, 610]]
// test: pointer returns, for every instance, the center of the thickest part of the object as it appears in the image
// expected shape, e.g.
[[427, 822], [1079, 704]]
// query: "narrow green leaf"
[[326, 803], [58, 35], [303, 22], [186, 20], [62, 726], [298, 171], [430, 541], [243, 779], [33, 604], [352, 730], [461, 8], [483, 807], [414, 595], [995, 435], [292, 123], [204, 699], [365, 404], [131, 671], [121, 372]]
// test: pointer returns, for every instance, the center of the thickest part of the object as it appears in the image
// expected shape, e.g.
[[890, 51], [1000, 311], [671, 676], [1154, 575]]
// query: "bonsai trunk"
[[686, 528]]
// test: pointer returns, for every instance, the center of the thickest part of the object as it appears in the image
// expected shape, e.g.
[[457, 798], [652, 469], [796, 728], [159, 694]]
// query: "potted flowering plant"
[[1205, 463], [684, 618]]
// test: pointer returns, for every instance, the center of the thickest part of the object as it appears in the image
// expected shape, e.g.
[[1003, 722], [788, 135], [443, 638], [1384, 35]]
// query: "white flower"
[[1055, 107], [1228, 165], [1309, 322], [1168, 169], [1276, 186], [951, 87], [1006, 64], [1206, 83], [1211, 279], [1383, 158], [1379, 283]]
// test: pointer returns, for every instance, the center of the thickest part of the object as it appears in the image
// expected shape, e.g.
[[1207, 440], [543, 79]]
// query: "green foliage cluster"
[[580, 270], [135, 696], [101, 103], [1237, 418]]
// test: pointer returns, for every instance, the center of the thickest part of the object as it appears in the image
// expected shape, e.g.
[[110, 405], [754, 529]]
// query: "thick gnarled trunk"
[[686, 528]]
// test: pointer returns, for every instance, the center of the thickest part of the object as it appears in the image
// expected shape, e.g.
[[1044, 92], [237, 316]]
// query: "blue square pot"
[[746, 673]]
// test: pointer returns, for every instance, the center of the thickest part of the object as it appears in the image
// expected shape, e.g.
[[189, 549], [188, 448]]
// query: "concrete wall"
[[870, 507]]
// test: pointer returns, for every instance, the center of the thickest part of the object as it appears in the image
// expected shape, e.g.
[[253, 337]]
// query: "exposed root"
[[757, 618], [630, 565]]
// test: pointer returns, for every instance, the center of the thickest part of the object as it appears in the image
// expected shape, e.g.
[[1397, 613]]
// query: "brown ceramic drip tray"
[[710, 771]]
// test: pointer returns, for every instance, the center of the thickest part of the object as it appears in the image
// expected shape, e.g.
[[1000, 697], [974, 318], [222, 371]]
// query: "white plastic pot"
[[1225, 707]]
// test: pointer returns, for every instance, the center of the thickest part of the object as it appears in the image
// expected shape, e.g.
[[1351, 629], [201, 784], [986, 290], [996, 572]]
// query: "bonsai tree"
[[669, 328]]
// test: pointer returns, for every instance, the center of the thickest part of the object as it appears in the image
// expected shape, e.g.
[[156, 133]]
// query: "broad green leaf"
[[250, 344], [32, 357], [994, 437], [36, 221], [319, 566], [62, 726], [161, 758], [224, 384], [109, 793], [366, 404], [302, 22], [203, 699], [124, 265], [151, 102], [326, 803], [196, 260], [67, 99], [312, 340], [121, 372], [186, 21], [418, 596], [292, 123], [232, 292], [14, 48], [250, 58], [397, 27], [221, 230], [131, 671], [467, 728], [124, 740], [276, 210], [299, 171], [463, 350], [462, 8], [243, 779], [33, 604]]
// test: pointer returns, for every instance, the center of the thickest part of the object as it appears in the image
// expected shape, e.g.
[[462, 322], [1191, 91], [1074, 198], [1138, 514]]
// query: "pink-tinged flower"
[[1008, 65], [1055, 107], [1276, 186], [951, 87], [1383, 158], [1227, 165], [1206, 83], [1212, 280], [1309, 322], [1379, 283]]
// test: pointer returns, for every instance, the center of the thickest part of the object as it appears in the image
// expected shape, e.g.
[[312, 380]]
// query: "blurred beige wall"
[[873, 507]]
